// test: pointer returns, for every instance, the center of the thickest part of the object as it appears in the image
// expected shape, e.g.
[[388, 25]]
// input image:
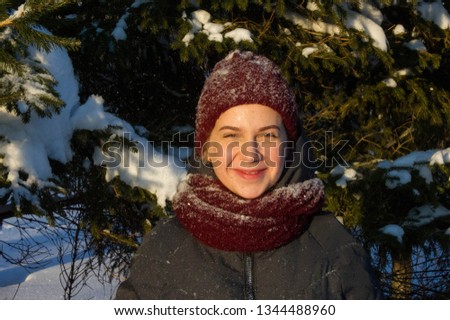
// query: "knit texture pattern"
[[220, 219]]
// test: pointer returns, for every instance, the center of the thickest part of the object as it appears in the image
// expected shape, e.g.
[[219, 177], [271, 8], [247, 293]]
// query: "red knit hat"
[[244, 78]]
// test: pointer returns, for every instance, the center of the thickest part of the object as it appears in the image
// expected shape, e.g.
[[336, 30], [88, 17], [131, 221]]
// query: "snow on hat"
[[244, 78]]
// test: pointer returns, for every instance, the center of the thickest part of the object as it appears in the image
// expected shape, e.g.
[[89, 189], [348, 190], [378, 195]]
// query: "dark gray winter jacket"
[[325, 262]]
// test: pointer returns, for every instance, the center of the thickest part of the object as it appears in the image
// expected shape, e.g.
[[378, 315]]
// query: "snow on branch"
[[27, 148], [200, 21]]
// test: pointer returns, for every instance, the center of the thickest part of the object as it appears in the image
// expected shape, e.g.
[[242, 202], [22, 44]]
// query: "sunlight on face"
[[246, 148]]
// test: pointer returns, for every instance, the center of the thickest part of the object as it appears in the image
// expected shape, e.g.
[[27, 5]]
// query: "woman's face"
[[246, 148]]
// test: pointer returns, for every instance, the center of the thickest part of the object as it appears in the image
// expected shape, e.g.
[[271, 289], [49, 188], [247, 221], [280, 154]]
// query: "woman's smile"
[[247, 174]]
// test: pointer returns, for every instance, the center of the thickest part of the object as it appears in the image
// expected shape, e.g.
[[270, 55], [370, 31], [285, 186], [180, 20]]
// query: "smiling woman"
[[247, 225]]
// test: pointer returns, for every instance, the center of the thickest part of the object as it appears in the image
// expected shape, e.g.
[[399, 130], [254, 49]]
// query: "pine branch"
[[6, 23], [25, 22], [42, 40], [8, 63]]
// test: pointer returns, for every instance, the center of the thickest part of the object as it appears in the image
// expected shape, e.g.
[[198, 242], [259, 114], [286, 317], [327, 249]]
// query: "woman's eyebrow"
[[270, 127], [229, 128], [260, 129]]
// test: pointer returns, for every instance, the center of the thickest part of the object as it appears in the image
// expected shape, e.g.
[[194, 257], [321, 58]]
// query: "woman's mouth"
[[250, 174]]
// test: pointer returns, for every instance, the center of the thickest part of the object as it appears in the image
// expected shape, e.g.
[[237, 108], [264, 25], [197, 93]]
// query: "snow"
[[146, 168], [239, 34], [423, 215], [395, 178], [417, 217], [213, 27], [353, 20], [399, 29], [425, 173], [19, 12], [138, 3], [202, 16], [398, 174], [119, 32], [400, 170], [312, 6], [434, 12], [40, 277], [440, 157], [188, 37], [360, 22], [316, 26], [391, 83], [308, 50], [30, 145], [416, 44], [371, 12], [200, 21], [347, 174], [394, 230], [215, 37], [411, 159], [368, 20], [403, 72]]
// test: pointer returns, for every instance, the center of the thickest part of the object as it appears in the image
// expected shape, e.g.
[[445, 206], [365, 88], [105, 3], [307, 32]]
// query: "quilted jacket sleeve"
[[357, 279]]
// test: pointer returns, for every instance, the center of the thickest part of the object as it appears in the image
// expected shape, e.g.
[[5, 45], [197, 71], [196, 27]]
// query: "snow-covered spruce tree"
[[50, 140], [138, 76], [25, 85], [371, 78], [131, 65]]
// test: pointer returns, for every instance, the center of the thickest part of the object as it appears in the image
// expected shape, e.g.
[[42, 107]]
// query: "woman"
[[248, 222]]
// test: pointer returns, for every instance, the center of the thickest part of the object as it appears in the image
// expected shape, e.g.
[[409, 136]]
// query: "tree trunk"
[[6, 211], [401, 286]]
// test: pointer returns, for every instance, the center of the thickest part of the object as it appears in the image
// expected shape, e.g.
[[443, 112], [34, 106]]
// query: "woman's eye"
[[230, 135], [270, 135]]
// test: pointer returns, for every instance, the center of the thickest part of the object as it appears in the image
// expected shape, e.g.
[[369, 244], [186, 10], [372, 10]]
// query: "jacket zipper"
[[249, 291]]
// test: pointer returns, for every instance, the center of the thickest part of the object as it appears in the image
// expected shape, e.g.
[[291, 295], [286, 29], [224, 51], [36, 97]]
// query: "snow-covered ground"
[[41, 279]]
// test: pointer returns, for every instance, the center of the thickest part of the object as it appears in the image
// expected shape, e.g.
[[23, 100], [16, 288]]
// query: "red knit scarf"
[[223, 220]]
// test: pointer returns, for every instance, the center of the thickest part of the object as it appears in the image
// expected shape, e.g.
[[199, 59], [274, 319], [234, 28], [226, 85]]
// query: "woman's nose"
[[250, 152]]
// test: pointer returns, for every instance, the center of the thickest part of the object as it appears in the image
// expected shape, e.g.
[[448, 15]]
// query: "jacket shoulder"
[[329, 233], [156, 248], [165, 237], [347, 256]]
